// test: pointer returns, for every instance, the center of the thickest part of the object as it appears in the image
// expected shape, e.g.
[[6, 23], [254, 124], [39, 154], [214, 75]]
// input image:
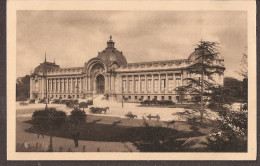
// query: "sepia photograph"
[[133, 81]]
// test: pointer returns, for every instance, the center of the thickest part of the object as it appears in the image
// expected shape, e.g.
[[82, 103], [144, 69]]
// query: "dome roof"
[[194, 56], [46, 66], [111, 55]]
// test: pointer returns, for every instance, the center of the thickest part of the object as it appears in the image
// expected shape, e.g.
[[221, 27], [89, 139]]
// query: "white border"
[[12, 6]]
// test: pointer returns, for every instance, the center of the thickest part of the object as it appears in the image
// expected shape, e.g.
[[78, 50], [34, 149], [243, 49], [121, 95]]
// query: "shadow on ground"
[[146, 138]]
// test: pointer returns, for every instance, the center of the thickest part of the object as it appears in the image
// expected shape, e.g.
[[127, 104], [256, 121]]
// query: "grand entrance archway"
[[100, 84]]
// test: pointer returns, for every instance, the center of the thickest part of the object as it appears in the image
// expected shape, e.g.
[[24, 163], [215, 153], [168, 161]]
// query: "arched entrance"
[[100, 84]]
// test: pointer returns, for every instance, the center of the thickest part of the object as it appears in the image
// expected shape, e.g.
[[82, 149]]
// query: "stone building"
[[109, 73]]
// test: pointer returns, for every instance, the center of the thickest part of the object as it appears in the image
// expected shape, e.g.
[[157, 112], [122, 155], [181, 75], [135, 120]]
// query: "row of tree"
[[50, 120]]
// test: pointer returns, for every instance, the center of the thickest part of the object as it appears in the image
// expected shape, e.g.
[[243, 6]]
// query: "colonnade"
[[65, 85], [151, 82]]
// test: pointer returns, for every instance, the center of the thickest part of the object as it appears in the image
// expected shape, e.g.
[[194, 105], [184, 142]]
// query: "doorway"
[[100, 82]]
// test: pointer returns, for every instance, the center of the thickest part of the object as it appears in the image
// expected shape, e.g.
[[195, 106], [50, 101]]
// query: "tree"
[[76, 119], [23, 88], [48, 121], [243, 71], [206, 54], [231, 133]]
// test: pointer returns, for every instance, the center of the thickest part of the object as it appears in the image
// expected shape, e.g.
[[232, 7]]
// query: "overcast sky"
[[73, 37]]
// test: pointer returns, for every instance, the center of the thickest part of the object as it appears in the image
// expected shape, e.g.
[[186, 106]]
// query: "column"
[[145, 84], [71, 85], [67, 85], [166, 82], [139, 82], [152, 90], [127, 84], [160, 88]]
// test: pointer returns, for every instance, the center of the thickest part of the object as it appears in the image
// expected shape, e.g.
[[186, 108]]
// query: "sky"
[[71, 38]]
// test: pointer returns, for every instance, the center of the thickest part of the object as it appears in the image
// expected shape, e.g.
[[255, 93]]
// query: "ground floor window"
[[129, 97], [169, 97], [148, 97], [64, 96], [155, 97], [162, 97], [135, 97], [142, 97], [56, 96]]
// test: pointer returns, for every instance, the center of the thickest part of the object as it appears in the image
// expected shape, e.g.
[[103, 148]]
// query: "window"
[[170, 84], [155, 97], [163, 84], [162, 97], [169, 98], [148, 97], [129, 97], [78, 96], [36, 85], [124, 84], [73, 96], [142, 97], [56, 96], [69, 86], [156, 84], [178, 82], [130, 85], [149, 85], [65, 83], [61, 87], [142, 85], [57, 87], [136, 85], [64, 96], [135, 97]]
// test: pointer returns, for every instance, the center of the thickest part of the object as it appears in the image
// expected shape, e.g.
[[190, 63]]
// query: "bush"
[[83, 105], [32, 101], [42, 101], [90, 102], [56, 101], [130, 115], [146, 102]]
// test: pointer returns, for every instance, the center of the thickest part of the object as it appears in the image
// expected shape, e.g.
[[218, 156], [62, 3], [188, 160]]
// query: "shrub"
[[130, 115]]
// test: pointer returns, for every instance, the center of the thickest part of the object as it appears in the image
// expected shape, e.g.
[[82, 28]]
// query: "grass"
[[155, 136]]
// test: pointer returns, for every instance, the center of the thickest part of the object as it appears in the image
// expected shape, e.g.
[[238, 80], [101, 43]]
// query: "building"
[[109, 73]]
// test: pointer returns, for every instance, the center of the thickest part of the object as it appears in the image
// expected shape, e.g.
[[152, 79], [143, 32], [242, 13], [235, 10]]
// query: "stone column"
[[152, 86], [145, 83], [160, 88], [71, 86], [166, 82], [139, 82]]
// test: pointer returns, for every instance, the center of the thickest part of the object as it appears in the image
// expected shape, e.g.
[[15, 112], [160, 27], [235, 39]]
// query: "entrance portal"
[[100, 84]]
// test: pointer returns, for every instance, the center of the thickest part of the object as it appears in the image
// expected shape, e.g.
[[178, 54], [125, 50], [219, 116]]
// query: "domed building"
[[109, 73]]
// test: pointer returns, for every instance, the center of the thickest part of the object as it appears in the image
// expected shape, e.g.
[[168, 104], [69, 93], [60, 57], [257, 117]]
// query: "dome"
[[46, 66], [194, 56], [111, 55]]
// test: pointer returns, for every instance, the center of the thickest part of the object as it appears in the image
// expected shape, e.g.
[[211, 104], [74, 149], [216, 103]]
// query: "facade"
[[109, 73]]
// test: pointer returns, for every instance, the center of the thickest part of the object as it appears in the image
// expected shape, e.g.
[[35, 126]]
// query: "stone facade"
[[109, 73]]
